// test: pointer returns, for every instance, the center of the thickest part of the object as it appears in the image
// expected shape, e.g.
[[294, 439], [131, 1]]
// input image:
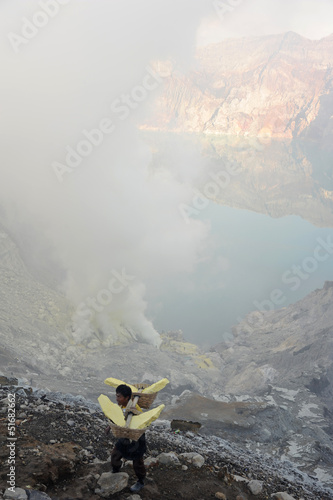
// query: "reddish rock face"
[[274, 86]]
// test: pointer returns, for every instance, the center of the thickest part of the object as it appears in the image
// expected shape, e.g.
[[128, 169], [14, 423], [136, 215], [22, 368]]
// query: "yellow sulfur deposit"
[[185, 348], [204, 363]]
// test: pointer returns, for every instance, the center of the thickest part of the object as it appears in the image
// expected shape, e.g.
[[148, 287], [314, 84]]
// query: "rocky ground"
[[62, 452]]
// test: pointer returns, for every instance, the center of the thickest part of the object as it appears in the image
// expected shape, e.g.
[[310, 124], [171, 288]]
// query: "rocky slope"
[[286, 358], [33, 316], [62, 452], [272, 86], [294, 343]]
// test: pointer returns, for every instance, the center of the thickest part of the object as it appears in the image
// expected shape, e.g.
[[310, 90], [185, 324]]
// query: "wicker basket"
[[145, 400], [125, 432]]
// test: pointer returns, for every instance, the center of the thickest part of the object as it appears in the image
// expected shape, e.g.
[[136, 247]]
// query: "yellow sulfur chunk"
[[158, 386], [145, 419], [111, 410], [114, 382]]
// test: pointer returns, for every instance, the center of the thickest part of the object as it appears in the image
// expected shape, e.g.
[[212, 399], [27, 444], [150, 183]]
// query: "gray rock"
[[151, 461], [37, 495], [110, 483], [18, 494], [220, 495], [194, 458], [280, 495], [239, 479], [255, 487], [70, 422], [190, 434], [42, 407], [20, 392], [65, 371], [168, 458]]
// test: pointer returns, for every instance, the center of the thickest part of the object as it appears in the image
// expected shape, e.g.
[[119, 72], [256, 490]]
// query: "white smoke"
[[75, 170]]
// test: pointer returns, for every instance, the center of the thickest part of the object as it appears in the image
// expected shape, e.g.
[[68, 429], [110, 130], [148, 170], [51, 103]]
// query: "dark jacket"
[[132, 450]]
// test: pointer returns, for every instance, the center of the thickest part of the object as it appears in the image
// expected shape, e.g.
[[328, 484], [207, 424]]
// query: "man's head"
[[123, 394]]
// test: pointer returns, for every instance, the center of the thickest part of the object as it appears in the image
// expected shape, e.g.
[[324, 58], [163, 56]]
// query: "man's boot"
[[137, 486]]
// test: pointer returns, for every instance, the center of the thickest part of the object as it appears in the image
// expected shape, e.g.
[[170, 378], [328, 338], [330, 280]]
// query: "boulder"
[[110, 483], [37, 495], [18, 494], [255, 487], [220, 495], [239, 479], [168, 458], [194, 458], [151, 462], [280, 495]]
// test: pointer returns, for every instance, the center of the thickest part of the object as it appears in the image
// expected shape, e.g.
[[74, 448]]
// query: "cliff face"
[[273, 177], [274, 86]]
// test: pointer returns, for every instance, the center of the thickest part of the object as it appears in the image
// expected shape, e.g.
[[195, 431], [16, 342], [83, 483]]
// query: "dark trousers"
[[138, 464]]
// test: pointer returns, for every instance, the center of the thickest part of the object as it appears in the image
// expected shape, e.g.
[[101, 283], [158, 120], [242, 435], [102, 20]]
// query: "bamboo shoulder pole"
[[130, 404]]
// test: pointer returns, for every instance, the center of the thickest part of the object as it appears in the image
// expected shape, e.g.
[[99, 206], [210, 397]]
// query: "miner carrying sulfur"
[[127, 420], [125, 448]]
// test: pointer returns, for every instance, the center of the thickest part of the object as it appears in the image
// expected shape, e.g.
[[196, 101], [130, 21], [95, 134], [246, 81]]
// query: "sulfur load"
[[114, 413]]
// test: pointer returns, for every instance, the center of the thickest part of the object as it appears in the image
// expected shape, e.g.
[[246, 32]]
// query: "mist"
[[75, 173]]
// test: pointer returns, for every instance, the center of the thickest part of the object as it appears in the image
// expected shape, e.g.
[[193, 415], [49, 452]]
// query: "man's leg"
[[139, 469], [116, 462]]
